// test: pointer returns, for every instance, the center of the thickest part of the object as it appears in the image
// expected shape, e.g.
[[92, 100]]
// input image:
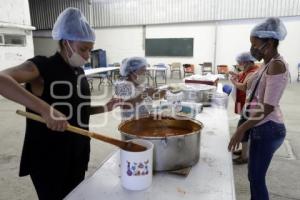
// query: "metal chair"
[[175, 67], [149, 75], [116, 73], [188, 69], [98, 59], [102, 76], [89, 79], [160, 73], [206, 68], [223, 69]]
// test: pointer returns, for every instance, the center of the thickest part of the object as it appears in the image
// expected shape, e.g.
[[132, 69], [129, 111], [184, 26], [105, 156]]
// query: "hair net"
[[270, 28], [72, 25], [124, 60], [245, 57], [132, 64]]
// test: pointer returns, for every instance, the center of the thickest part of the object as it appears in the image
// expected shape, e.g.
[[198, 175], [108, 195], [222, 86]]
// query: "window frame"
[[2, 39], [21, 36]]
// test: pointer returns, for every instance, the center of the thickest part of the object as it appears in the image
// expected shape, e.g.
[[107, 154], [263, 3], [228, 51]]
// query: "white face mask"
[[241, 67], [141, 79], [75, 60]]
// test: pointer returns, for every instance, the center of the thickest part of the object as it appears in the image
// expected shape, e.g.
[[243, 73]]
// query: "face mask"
[[141, 79], [257, 52], [247, 66], [241, 67], [75, 60]]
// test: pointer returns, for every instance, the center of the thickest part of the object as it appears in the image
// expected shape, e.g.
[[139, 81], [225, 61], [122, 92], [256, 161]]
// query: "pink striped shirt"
[[270, 90]]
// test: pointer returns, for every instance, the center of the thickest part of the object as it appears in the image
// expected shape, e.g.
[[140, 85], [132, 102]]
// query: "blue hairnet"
[[132, 64], [270, 28], [124, 60], [245, 57], [72, 25]]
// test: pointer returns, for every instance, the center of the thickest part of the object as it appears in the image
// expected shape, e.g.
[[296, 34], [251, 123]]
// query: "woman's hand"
[[162, 94], [232, 79], [232, 73], [54, 119], [113, 103], [236, 139], [109, 106], [150, 91], [234, 76]]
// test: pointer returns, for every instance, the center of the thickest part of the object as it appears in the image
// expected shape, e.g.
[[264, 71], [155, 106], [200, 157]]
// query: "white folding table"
[[210, 179]]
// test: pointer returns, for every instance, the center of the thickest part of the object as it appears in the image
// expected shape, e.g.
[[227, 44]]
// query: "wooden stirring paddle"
[[125, 145]]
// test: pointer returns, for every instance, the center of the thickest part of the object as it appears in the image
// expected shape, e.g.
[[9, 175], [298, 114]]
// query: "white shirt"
[[126, 90]]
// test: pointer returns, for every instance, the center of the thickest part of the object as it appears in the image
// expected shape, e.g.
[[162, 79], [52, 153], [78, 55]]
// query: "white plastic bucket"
[[220, 100], [137, 167]]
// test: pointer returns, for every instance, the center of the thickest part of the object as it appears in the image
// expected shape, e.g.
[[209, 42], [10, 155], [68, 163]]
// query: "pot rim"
[[159, 137]]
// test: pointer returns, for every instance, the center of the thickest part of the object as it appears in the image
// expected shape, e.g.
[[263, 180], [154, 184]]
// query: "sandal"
[[237, 153], [240, 161]]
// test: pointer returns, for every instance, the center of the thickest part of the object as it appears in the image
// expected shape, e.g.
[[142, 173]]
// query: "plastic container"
[[137, 167], [220, 100], [174, 100]]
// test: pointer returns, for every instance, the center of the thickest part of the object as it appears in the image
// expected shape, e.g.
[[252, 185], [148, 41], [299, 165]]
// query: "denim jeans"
[[265, 139]]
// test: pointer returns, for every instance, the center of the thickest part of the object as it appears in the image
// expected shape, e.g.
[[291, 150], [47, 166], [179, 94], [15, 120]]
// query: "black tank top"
[[66, 89]]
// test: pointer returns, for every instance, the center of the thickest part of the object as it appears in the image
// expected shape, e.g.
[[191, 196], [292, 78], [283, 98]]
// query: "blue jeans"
[[265, 139]]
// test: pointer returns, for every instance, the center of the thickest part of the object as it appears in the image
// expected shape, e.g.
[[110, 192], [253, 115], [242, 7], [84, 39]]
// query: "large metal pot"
[[172, 151]]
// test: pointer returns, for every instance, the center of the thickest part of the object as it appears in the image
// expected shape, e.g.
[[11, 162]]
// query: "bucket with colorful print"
[[136, 167]]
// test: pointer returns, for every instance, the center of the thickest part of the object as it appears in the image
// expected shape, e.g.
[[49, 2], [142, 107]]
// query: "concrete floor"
[[283, 175]]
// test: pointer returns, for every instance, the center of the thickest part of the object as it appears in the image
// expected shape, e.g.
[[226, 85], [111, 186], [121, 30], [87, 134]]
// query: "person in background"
[[247, 67], [132, 89], [265, 121], [55, 161], [10, 89]]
